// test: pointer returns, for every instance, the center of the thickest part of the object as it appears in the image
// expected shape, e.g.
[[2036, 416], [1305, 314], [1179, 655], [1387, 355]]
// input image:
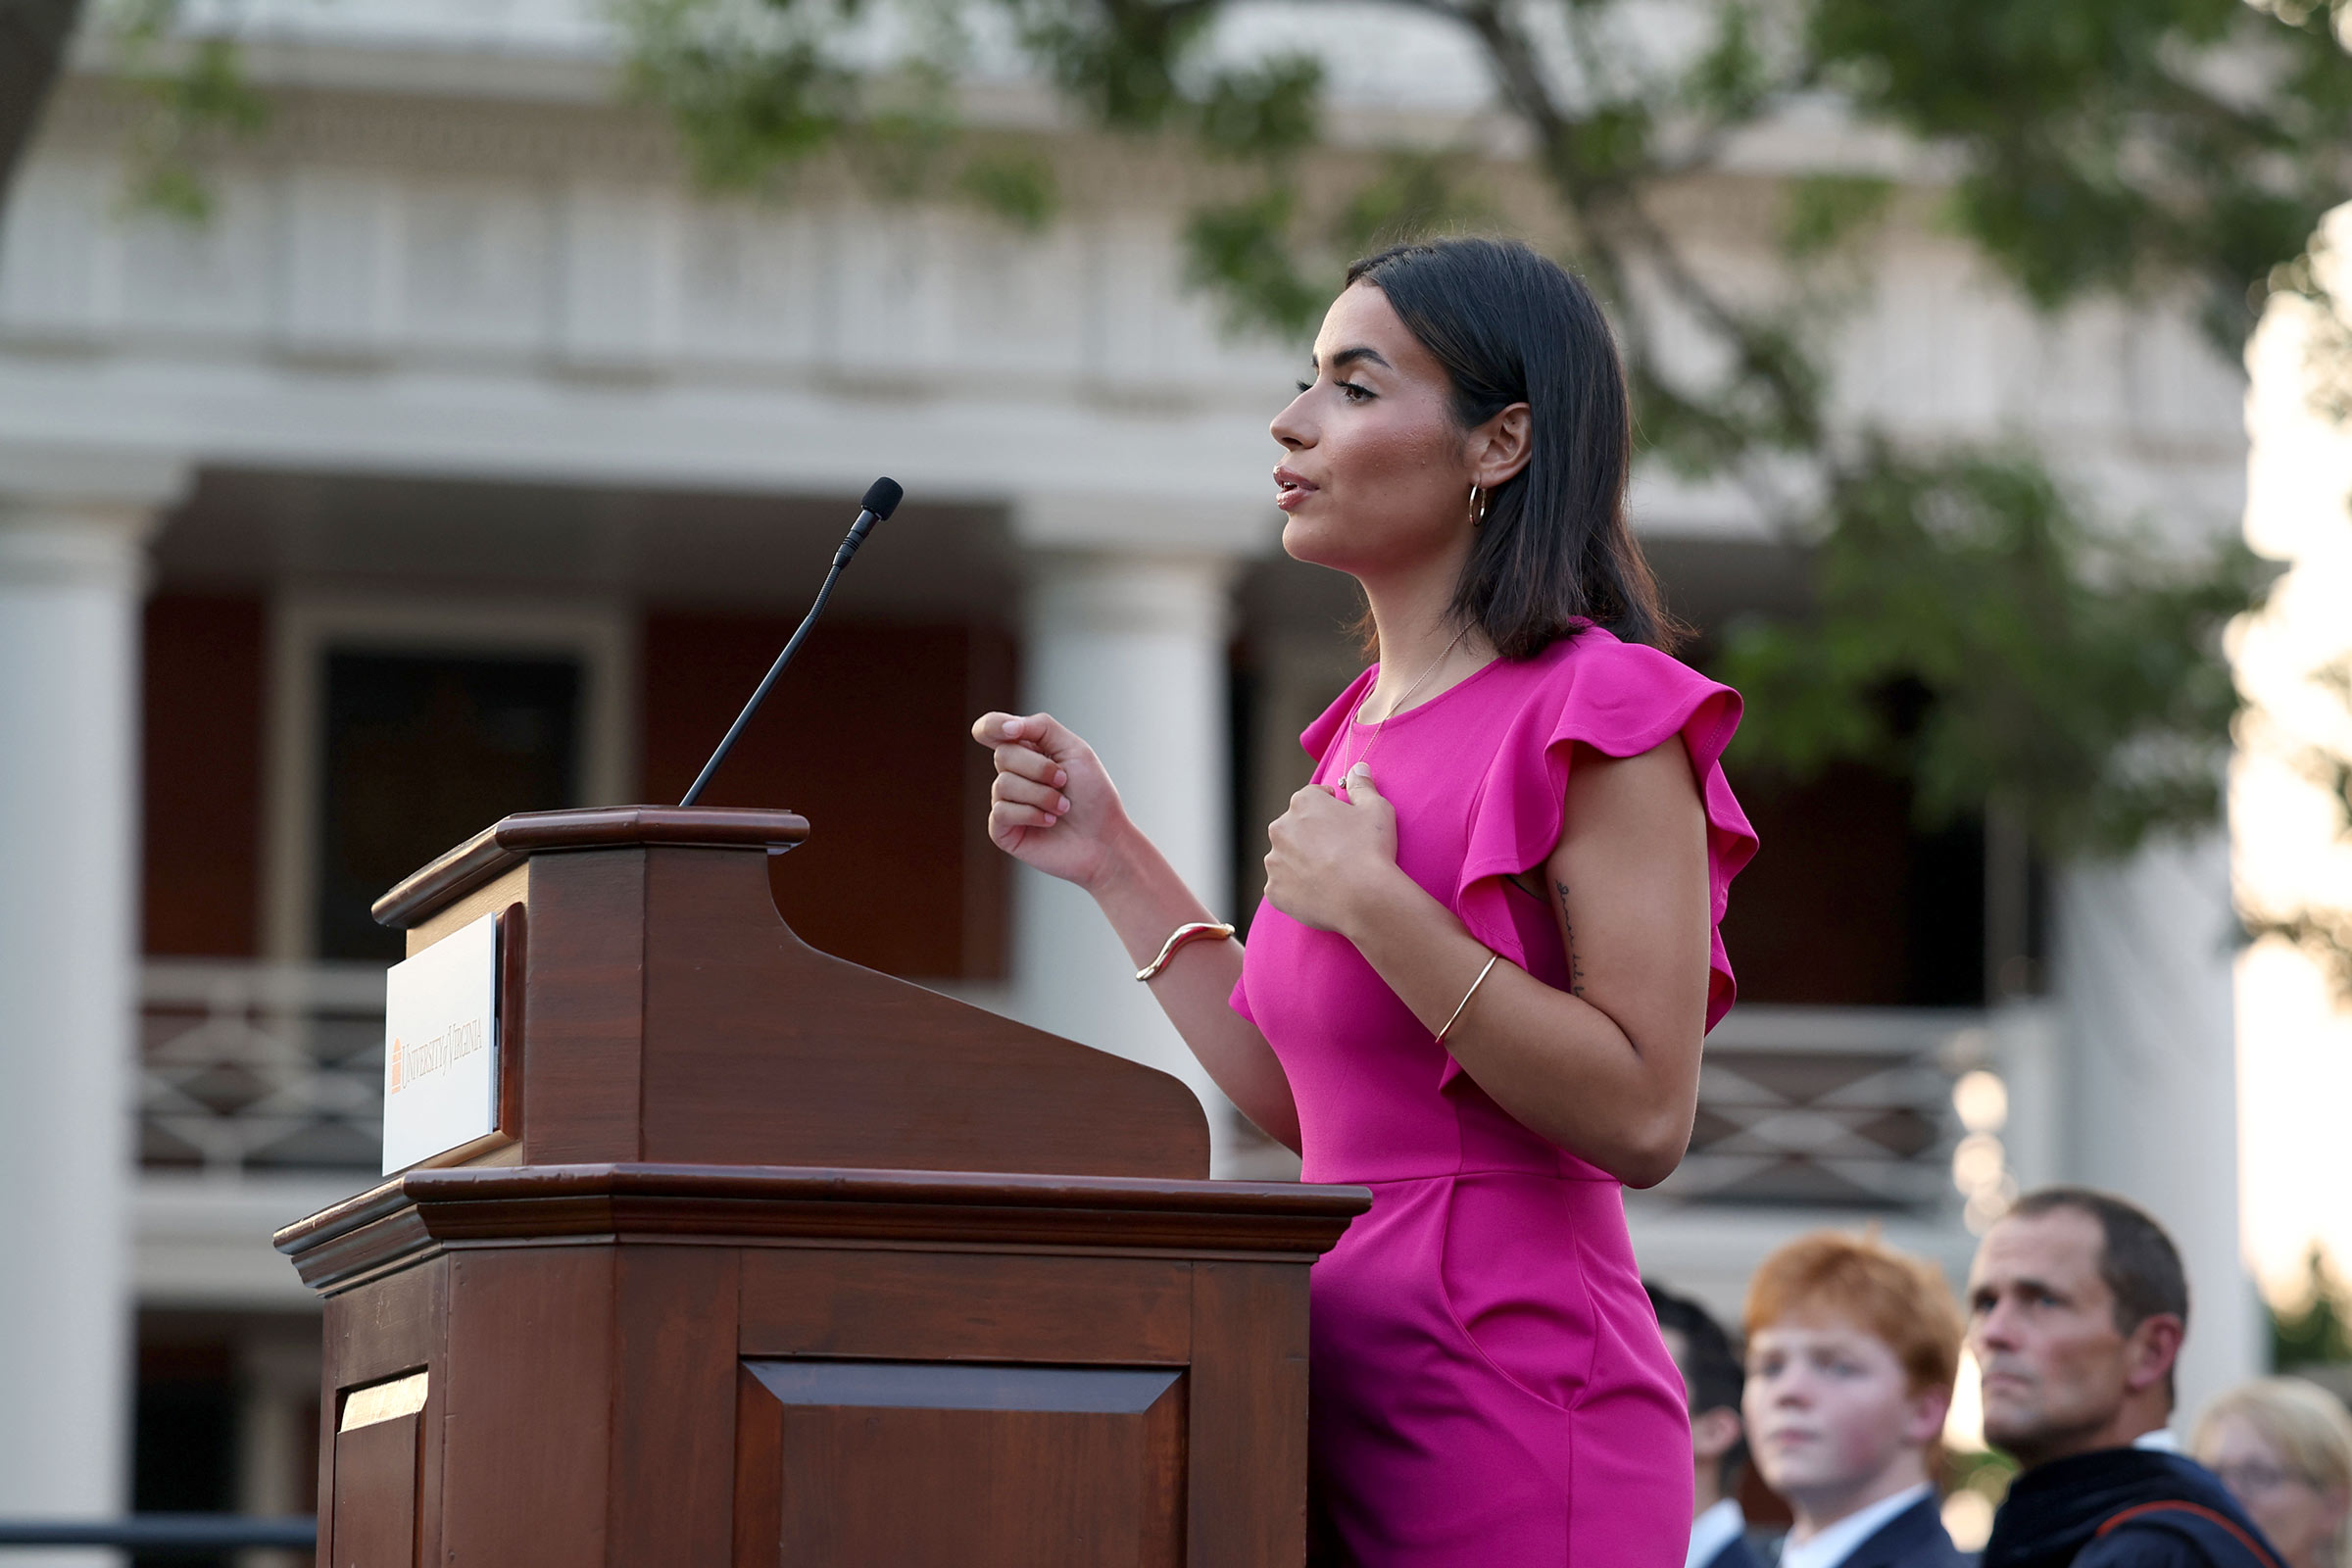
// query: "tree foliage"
[[1977, 628], [33, 47], [195, 96], [2320, 1333], [1978, 637], [189, 87], [2116, 144]]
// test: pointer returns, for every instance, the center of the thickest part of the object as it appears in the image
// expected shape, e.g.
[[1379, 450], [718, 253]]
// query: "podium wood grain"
[[787, 1262], [375, 1490]]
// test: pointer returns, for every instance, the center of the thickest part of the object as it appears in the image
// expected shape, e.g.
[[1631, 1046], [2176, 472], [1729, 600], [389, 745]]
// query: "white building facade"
[[466, 389]]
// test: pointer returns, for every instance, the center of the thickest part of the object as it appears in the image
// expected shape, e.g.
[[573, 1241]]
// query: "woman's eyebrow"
[[1355, 356]]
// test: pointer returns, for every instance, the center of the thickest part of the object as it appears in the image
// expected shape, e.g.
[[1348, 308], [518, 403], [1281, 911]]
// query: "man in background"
[[1852, 1349], [2078, 1306], [1711, 1377]]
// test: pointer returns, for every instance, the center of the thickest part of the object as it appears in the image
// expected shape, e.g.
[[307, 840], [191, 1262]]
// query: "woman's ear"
[[1501, 447]]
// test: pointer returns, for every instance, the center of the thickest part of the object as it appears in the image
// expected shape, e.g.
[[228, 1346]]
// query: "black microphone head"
[[882, 498]]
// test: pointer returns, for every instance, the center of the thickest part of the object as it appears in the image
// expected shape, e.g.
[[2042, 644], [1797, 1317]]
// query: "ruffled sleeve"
[[1621, 699]]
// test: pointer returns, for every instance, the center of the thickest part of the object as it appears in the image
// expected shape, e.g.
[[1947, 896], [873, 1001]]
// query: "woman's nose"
[[1290, 428]]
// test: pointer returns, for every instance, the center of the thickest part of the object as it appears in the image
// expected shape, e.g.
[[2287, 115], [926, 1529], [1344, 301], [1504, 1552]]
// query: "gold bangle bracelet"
[[1193, 931], [1492, 958]]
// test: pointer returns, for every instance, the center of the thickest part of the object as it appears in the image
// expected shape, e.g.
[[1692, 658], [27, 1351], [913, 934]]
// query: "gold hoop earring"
[[1478, 507]]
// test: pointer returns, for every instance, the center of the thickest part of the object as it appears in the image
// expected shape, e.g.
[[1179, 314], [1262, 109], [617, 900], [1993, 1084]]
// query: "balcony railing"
[[166, 1535], [1845, 1109], [256, 1067]]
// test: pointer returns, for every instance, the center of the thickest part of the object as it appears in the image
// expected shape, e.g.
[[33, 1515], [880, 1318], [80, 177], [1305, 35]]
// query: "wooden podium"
[[777, 1260]]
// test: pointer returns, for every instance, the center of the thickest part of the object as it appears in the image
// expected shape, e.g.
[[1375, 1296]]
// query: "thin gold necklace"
[[1397, 707]]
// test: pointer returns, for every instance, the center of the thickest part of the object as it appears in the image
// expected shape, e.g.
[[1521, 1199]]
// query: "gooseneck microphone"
[[882, 498]]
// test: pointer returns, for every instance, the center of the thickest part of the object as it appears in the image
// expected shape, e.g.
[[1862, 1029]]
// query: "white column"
[[2029, 1052], [2144, 956], [1129, 650], [72, 534], [278, 1365]]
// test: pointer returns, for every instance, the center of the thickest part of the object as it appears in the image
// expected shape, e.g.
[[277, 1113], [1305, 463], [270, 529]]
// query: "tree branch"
[[34, 35]]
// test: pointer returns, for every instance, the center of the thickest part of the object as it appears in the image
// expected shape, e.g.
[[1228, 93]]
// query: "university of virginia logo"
[[414, 1063], [440, 1047]]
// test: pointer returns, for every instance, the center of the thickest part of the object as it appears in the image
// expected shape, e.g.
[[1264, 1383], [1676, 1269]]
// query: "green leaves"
[[1610, 143], [1823, 211], [1974, 629], [1120, 61], [196, 96], [746, 114], [755, 89], [2321, 1333], [1243, 251], [1019, 189], [1977, 634], [1414, 195], [1275, 270], [1269, 110], [1733, 78], [758, 89], [2114, 145]]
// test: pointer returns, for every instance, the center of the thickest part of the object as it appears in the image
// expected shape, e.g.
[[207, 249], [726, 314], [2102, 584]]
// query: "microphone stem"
[[840, 560]]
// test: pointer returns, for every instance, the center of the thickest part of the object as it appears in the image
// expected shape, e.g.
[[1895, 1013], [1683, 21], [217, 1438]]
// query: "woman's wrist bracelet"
[[1191, 932], [1492, 958]]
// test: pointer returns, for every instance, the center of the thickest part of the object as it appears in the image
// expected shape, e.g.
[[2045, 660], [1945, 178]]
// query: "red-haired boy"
[[1851, 1352]]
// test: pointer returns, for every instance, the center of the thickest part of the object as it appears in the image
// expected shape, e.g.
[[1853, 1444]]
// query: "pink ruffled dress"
[[1488, 1386]]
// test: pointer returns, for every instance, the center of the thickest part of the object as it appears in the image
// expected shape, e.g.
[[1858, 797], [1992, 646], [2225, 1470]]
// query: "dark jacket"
[[1912, 1538], [1734, 1554], [2123, 1508]]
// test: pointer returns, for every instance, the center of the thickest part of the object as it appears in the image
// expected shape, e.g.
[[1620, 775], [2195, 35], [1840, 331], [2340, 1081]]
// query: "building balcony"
[[1814, 1117], [260, 1101], [260, 1097], [1844, 1109]]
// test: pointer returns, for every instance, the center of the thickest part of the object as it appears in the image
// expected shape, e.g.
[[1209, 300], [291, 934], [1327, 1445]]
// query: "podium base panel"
[[723, 1367]]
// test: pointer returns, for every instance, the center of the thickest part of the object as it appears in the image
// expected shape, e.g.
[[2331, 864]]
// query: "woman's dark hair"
[[1556, 549]]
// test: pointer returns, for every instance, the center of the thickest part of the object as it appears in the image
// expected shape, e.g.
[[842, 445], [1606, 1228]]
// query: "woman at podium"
[[1488, 951]]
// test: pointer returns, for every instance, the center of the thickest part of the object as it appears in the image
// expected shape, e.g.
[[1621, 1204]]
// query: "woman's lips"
[[1290, 490]]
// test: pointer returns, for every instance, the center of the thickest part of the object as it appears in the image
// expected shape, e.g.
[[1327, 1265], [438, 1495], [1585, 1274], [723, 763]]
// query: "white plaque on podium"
[[441, 1047]]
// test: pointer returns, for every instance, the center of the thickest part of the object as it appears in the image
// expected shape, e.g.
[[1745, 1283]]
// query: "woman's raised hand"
[[1052, 807], [1329, 854]]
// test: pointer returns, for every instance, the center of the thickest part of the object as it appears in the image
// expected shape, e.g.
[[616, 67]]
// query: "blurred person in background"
[[2078, 1306], [1852, 1349], [2283, 1448], [1711, 1375]]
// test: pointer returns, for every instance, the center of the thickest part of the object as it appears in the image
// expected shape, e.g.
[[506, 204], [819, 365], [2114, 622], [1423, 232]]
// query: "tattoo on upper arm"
[[1576, 966]]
